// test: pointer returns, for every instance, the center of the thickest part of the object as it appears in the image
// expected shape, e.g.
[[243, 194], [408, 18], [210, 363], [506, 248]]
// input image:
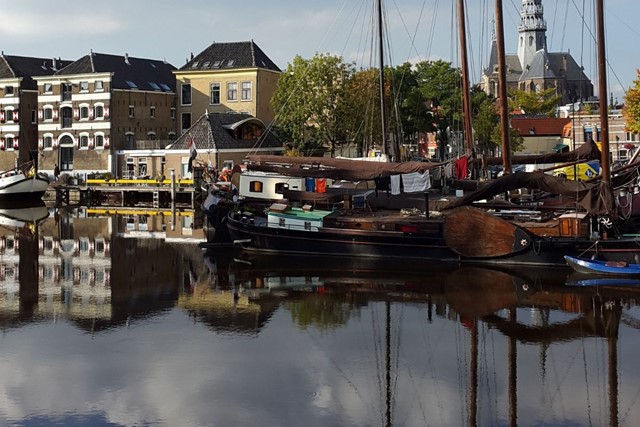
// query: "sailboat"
[[496, 231]]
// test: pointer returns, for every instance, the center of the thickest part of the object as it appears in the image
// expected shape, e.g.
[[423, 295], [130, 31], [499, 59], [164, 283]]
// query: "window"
[[281, 222], [255, 186], [215, 94], [173, 113], [84, 141], [84, 113], [47, 142], [84, 86], [227, 164], [99, 138], [186, 121], [232, 91], [99, 86], [171, 136], [66, 91], [246, 91], [132, 111], [98, 112], [48, 113], [129, 140], [186, 94], [8, 91], [152, 112], [8, 142], [131, 84], [48, 88], [34, 116], [151, 136]]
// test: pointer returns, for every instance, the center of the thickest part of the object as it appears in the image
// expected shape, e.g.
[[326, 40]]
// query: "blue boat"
[[603, 268]]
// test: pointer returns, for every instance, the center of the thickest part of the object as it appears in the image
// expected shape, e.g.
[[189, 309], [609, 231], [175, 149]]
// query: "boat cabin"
[[284, 216], [261, 185]]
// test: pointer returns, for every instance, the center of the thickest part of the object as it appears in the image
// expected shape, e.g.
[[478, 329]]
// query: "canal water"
[[120, 319]]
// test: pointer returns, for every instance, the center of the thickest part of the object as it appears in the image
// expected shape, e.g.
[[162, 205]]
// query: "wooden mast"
[[466, 92], [602, 94], [383, 115], [502, 91]]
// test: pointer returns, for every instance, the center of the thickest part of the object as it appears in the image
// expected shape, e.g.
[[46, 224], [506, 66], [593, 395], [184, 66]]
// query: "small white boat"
[[23, 183]]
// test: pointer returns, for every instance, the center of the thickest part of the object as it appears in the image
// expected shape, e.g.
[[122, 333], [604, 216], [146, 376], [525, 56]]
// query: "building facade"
[[99, 105], [18, 106], [226, 77], [534, 68]]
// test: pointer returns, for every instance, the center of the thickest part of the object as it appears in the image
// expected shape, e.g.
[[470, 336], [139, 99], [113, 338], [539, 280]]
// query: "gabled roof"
[[145, 74], [539, 126], [540, 67], [229, 56], [215, 131], [12, 66]]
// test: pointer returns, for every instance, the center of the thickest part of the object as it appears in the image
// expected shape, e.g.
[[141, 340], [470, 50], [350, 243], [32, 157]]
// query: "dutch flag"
[[192, 153]]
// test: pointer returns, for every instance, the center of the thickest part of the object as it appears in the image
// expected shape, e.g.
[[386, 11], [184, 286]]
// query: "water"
[[123, 321]]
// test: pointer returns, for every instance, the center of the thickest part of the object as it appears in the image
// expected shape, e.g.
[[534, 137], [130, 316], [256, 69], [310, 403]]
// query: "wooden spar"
[[602, 93], [502, 88], [466, 92], [383, 115]]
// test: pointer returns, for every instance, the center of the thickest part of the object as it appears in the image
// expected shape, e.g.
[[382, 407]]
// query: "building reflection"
[[98, 269]]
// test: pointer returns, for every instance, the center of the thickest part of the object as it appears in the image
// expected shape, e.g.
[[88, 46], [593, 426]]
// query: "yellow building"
[[235, 77]]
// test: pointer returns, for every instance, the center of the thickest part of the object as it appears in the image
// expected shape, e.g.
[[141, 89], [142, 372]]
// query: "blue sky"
[[418, 30]]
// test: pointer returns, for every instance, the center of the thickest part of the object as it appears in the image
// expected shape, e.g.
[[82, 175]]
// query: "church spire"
[[531, 31]]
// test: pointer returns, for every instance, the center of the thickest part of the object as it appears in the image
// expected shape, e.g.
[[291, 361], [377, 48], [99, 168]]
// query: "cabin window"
[[281, 187], [255, 186], [307, 225], [281, 222]]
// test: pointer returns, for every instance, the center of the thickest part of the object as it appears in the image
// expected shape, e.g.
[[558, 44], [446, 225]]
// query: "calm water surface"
[[123, 321]]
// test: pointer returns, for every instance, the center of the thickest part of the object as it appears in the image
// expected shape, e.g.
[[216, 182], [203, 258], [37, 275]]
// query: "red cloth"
[[462, 166], [321, 185]]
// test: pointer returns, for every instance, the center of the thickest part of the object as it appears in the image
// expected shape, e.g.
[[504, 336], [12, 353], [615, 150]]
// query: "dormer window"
[[98, 85], [84, 86], [8, 91], [48, 88]]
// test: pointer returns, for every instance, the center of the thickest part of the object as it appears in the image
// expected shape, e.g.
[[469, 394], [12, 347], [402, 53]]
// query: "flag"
[[192, 153]]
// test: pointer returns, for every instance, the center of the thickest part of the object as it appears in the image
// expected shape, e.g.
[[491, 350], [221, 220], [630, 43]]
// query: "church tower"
[[531, 31]]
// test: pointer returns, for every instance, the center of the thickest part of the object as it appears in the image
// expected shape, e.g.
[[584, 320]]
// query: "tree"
[[631, 108], [307, 101], [535, 103], [440, 86], [484, 124]]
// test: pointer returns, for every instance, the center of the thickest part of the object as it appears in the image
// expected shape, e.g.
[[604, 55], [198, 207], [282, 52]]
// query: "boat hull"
[[603, 268], [340, 242], [21, 187]]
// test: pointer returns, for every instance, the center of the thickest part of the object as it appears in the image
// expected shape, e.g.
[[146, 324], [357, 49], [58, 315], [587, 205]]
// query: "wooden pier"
[[149, 193]]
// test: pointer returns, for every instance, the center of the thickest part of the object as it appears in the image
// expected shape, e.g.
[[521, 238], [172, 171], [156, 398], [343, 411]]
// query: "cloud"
[[42, 24]]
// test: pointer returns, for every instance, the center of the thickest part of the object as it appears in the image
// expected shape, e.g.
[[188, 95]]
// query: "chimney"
[[126, 59], [53, 64], [192, 56]]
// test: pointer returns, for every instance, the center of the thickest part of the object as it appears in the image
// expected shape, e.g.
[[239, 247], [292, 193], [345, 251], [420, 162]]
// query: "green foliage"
[[485, 123], [320, 313], [308, 98], [535, 103], [631, 108], [325, 102]]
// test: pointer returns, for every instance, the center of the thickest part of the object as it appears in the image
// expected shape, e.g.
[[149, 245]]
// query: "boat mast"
[[383, 115], [602, 94], [466, 92], [502, 91]]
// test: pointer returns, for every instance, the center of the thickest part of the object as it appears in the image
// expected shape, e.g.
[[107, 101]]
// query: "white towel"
[[395, 184], [416, 182]]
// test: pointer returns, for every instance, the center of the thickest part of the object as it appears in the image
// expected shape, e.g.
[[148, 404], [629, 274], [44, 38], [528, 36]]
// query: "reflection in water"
[[125, 315]]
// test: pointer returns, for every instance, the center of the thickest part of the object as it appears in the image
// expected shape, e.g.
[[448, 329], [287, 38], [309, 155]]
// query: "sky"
[[416, 30]]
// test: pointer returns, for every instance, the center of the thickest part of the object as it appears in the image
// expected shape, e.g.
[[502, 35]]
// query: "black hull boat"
[[467, 235]]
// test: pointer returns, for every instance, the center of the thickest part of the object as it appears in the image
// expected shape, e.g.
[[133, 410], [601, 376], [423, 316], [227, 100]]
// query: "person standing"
[[56, 172]]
